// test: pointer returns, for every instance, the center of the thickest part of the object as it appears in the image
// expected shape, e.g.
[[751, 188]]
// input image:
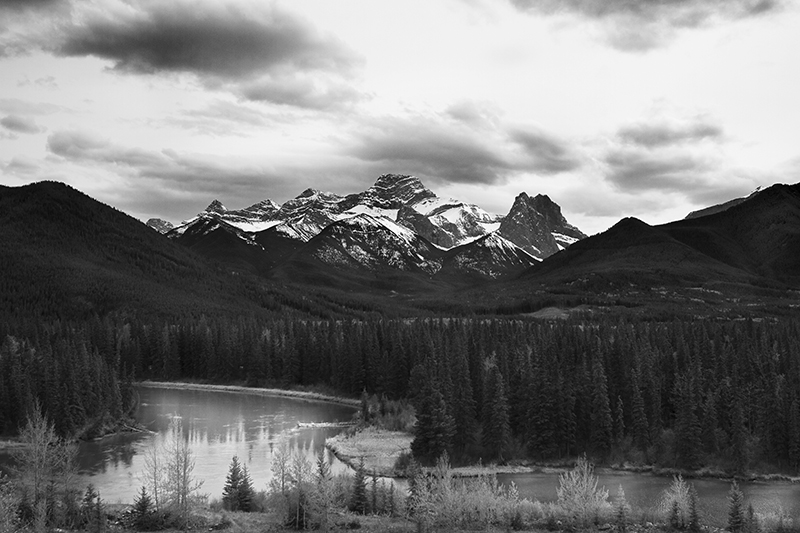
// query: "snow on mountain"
[[490, 256], [161, 226], [374, 242], [399, 222]]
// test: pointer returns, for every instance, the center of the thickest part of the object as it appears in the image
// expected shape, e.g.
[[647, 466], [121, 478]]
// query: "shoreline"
[[350, 449], [256, 391]]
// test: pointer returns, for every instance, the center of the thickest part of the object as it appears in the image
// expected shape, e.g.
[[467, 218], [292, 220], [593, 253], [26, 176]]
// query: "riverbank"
[[241, 389], [378, 448], [381, 449]]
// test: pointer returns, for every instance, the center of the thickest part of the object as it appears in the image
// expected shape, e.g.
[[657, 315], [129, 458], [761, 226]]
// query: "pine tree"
[[641, 437], [233, 482], [142, 510], [622, 511], [92, 510], [736, 518], [496, 425], [601, 421], [434, 429], [687, 425], [694, 517], [246, 492], [619, 422], [358, 500]]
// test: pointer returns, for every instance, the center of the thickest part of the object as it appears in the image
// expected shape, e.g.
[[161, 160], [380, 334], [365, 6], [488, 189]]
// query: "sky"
[[612, 108]]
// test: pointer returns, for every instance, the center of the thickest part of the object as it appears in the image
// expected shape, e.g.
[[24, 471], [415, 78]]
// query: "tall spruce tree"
[[496, 425], [736, 513], [233, 482], [434, 429], [601, 421]]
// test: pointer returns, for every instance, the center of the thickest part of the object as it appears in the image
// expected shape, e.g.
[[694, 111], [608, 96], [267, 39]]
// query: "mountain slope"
[[757, 239], [65, 255], [760, 235]]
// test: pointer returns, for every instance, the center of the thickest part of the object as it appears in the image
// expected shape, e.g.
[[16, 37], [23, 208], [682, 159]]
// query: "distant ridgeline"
[[675, 393]]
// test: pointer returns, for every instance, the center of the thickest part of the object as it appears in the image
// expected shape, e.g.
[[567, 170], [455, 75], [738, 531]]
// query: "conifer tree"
[[230, 492], [434, 429], [246, 492], [687, 424], [142, 510], [601, 421], [496, 425], [736, 517], [622, 511], [358, 500], [619, 422], [694, 517], [641, 432]]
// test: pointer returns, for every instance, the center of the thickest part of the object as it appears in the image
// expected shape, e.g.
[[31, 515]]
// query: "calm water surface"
[[218, 425]]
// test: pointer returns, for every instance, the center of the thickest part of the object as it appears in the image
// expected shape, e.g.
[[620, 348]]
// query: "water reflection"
[[218, 426]]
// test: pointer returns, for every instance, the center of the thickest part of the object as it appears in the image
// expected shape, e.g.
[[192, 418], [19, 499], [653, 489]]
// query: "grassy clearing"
[[379, 448]]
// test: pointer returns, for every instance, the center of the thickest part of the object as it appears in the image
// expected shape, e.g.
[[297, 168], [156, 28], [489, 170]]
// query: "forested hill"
[[65, 255]]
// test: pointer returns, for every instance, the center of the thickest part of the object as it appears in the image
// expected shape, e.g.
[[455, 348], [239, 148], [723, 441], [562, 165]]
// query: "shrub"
[[675, 503], [579, 497]]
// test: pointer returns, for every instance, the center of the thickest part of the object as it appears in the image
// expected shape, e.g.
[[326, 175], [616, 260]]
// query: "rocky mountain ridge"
[[533, 229]]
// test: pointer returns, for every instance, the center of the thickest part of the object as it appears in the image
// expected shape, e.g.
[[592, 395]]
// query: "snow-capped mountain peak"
[[215, 207], [398, 221]]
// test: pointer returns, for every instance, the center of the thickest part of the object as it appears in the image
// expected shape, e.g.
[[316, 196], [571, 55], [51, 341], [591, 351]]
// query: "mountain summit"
[[266, 234], [538, 227]]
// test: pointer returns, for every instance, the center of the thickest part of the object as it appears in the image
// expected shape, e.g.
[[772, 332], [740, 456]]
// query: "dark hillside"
[[64, 255]]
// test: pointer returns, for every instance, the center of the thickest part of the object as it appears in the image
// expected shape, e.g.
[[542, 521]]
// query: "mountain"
[[264, 236], [721, 207], [161, 226], [492, 256], [755, 242], [538, 227], [66, 256]]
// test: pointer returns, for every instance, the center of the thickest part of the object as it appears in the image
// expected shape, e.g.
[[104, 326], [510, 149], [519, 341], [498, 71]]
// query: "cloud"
[[658, 135], [431, 148], [548, 154], [632, 170], [256, 50], [166, 181], [463, 145], [16, 106], [301, 91], [20, 5], [21, 166], [642, 25], [20, 124]]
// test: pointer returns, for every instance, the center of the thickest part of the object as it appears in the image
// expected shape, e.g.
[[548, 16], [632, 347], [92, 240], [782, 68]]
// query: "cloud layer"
[[20, 124], [642, 25]]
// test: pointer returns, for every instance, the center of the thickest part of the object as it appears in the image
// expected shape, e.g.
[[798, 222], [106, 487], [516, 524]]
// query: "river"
[[220, 425]]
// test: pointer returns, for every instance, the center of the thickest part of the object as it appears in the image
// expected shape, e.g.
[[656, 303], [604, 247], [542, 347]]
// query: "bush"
[[675, 504], [579, 497]]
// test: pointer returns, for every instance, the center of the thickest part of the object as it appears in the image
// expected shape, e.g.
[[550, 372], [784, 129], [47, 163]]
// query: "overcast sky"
[[613, 108]]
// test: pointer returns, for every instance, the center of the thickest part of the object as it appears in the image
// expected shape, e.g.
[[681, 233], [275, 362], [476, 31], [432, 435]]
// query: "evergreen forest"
[[679, 393]]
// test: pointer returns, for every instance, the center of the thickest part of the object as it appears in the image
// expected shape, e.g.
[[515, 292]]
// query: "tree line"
[[680, 393]]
